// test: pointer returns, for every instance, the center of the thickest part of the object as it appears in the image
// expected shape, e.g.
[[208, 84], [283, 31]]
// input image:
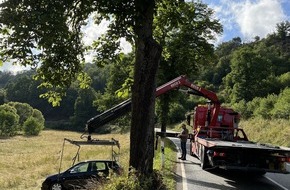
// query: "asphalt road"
[[190, 176]]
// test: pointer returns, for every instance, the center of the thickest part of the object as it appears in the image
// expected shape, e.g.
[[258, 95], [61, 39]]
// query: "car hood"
[[53, 177]]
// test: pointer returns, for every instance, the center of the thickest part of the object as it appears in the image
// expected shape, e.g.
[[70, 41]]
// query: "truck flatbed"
[[242, 144]]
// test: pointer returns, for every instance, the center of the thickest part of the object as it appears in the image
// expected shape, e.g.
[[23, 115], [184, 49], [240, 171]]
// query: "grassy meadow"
[[26, 161]]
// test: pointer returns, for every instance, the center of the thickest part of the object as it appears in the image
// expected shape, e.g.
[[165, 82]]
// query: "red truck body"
[[225, 145]]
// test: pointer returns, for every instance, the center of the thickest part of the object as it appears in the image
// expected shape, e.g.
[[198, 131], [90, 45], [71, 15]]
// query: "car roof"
[[97, 161]]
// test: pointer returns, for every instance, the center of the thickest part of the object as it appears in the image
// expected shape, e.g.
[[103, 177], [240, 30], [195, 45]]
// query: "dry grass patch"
[[26, 161]]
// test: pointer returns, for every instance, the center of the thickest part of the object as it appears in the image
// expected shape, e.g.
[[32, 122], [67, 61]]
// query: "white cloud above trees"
[[250, 18]]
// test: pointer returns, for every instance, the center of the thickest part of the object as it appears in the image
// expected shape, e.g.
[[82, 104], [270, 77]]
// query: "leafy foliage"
[[249, 75], [184, 33], [84, 108], [8, 120], [282, 106], [22, 88], [32, 126], [138, 181], [24, 111], [17, 117]]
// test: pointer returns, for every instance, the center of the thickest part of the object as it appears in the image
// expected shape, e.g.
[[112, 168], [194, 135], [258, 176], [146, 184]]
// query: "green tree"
[[249, 76], [22, 88], [119, 82], [224, 54], [265, 106], [283, 30], [184, 33], [5, 77], [83, 107], [54, 27], [282, 106], [2, 96], [118, 87], [18, 89], [284, 80]]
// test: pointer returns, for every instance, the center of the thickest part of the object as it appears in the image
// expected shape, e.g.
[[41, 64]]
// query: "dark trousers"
[[183, 150]]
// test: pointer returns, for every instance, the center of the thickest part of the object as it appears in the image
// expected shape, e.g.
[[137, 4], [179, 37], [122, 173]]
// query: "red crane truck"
[[216, 138]]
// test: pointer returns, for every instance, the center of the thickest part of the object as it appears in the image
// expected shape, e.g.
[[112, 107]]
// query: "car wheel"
[[56, 186]]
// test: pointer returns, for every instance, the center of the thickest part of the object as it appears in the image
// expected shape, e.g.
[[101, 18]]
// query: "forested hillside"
[[253, 77]]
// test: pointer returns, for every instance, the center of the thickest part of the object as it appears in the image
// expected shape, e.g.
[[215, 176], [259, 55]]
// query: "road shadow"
[[244, 180]]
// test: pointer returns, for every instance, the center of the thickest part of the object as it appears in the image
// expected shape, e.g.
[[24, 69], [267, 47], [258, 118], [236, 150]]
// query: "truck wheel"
[[203, 158]]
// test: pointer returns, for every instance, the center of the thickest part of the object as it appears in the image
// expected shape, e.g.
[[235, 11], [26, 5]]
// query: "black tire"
[[56, 186], [203, 158]]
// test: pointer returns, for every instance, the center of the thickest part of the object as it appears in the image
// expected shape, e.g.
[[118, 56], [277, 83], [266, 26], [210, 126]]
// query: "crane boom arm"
[[125, 107]]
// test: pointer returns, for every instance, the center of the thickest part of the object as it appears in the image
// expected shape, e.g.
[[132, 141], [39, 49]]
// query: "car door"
[[102, 168], [76, 177]]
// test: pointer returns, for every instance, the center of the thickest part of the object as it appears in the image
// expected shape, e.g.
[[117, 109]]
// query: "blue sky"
[[249, 18], [240, 18]]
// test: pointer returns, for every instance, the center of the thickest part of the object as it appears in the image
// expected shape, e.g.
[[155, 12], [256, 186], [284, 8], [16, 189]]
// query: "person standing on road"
[[183, 139]]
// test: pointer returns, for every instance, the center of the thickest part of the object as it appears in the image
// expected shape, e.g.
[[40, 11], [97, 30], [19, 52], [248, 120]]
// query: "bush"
[[266, 105], [24, 111], [135, 181], [38, 116], [32, 126], [242, 108], [8, 120], [8, 123], [282, 106]]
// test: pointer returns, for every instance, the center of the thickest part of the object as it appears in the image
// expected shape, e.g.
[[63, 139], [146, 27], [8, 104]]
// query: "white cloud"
[[125, 46], [249, 18], [7, 66], [92, 31], [258, 18]]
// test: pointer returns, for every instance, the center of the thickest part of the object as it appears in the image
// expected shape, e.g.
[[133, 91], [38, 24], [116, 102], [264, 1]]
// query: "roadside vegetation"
[[275, 131]]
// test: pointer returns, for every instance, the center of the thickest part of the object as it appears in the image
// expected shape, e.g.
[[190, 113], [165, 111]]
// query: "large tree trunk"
[[164, 102], [148, 53]]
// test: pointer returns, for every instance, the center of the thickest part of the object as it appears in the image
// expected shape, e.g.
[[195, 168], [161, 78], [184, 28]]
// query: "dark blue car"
[[81, 175]]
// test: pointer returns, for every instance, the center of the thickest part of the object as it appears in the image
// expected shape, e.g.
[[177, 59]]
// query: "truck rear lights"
[[283, 159], [219, 154]]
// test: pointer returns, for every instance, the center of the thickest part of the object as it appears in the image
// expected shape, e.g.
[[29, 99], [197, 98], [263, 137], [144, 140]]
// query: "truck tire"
[[203, 158]]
